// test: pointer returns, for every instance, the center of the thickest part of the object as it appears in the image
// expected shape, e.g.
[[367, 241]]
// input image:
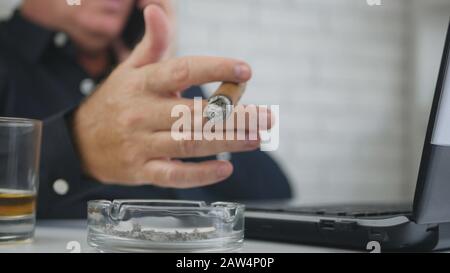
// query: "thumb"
[[156, 38]]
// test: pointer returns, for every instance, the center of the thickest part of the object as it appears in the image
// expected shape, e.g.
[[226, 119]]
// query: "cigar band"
[[219, 108]]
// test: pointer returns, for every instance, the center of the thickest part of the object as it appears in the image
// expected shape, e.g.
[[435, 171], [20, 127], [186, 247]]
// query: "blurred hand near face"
[[161, 30]]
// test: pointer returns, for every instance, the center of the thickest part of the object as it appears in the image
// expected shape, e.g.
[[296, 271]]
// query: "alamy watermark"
[[73, 2], [374, 2]]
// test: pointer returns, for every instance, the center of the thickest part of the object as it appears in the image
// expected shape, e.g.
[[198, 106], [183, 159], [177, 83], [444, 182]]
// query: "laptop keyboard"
[[354, 211]]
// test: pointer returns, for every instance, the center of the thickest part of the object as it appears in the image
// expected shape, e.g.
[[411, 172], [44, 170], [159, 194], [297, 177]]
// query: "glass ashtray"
[[165, 226]]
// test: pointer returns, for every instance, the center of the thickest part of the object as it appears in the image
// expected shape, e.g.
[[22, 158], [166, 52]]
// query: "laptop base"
[[393, 233]]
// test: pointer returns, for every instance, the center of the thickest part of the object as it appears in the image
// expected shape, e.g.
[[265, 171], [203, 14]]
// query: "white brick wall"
[[6, 7], [335, 69]]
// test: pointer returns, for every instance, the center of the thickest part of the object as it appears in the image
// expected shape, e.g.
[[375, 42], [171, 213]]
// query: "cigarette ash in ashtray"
[[162, 234]]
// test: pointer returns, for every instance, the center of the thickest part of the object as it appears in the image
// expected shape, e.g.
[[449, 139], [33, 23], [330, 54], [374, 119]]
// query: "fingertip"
[[159, 15], [148, 10], [224, 169], [152, 9], [157, 28], [243, 72]]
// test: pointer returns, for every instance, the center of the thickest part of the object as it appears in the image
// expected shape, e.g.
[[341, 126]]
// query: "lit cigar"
[[221, 103]]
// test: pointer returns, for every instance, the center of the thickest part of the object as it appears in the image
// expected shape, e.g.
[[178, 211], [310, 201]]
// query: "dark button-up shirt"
[[41, 79]]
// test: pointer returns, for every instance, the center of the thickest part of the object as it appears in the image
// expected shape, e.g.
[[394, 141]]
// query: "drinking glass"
[[20, 141]]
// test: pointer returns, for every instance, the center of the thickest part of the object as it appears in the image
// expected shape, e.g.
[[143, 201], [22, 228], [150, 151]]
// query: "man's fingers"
[[187, 115], [178, 74], [164, 144], [181, 175], [155, 41]]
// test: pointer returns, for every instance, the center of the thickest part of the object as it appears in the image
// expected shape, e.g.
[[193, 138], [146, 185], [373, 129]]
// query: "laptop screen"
[[432, 197], [441, 130]]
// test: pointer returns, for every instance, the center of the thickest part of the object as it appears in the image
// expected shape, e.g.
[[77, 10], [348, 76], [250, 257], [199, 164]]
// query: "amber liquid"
[[17, 203]]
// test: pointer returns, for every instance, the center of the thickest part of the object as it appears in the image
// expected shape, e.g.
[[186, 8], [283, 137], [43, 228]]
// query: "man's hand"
[[122, 131]]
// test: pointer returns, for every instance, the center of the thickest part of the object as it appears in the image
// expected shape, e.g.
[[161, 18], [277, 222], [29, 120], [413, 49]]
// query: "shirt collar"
[[30, 39]]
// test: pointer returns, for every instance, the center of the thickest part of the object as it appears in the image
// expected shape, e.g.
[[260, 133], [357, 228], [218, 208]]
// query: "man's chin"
[[101, 30], [94, 43]]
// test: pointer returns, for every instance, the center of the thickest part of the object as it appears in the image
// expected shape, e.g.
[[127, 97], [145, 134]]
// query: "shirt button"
[[61, 187], [60, 39], [224, 156], [87, 86]]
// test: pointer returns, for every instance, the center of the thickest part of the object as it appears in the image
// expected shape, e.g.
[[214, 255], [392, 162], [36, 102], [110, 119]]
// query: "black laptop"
[[421, 226]]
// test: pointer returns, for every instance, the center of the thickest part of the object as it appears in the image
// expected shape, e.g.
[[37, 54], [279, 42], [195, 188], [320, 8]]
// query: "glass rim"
[[15, 122]]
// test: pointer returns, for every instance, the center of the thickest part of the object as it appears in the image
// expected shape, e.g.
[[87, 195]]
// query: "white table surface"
[[54, 236]]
